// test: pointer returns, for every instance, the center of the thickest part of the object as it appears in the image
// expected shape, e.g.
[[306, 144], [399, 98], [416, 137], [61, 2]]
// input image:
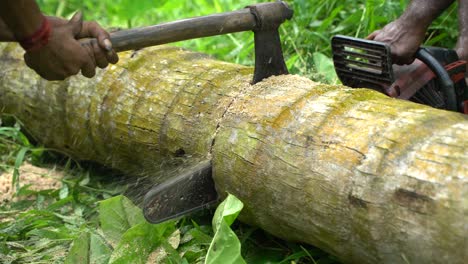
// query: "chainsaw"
[[436, 77]]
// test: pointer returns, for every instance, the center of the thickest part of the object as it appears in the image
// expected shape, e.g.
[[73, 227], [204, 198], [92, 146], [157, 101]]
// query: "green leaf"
[[63, 193], [225, 247], [16, 134], [139, 241], [79, 251], [100, 251], [198, 236], [325, 67], [88, 248], [227, 211], [52, 233], [116, 216], [19, 160]]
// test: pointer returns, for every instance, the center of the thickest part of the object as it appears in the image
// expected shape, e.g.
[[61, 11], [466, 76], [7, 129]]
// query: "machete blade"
[[191, 190]]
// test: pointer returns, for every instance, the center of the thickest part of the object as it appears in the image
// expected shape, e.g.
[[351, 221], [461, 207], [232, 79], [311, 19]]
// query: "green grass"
[[40, 227], [308, 33], [50, 225]]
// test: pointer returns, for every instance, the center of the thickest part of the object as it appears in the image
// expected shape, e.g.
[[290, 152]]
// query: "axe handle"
[[256, 17], [184, 29]]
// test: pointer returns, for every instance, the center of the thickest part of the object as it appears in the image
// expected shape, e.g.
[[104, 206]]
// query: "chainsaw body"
[[435, 78]]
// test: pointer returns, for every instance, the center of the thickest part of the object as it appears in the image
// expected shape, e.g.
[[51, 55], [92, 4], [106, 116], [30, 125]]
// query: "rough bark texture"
[[367, 178]]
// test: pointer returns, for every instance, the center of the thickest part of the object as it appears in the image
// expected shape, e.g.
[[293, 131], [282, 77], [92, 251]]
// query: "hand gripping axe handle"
[[263, 19]]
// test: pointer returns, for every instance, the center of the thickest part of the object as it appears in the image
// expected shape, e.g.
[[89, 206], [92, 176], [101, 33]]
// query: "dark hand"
[[64, 55], [102, 50], [404, 40]]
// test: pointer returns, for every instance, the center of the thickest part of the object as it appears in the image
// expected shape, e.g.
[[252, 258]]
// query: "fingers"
[[403, 59], [112, 57], [104, 49], [76, 23], [102, 57], [65, 55], [99, 55], [92, 29], [373, 35], [48, 75], [88, 68]]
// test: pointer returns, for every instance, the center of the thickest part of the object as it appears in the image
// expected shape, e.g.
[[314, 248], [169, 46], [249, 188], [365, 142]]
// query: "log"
[[367, 178]]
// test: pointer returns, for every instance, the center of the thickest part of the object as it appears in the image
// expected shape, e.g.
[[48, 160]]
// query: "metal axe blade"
[[269, 58]]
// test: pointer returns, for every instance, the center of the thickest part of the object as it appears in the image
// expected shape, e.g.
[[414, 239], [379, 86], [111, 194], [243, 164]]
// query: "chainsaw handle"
[[445, 82]]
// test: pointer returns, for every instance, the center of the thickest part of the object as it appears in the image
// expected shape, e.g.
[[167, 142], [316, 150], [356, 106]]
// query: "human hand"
[[64, 55], [403, 37], [102, 49]]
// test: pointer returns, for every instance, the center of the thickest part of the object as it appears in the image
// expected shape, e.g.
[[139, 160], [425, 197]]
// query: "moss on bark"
[[367, 178]]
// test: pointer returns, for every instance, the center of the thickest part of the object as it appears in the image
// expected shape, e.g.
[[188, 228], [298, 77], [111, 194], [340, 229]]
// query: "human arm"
[[406, 34], [462, 43], [63, 55]]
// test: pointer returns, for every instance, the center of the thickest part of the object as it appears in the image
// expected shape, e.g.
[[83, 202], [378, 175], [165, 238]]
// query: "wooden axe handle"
[[204, 26]]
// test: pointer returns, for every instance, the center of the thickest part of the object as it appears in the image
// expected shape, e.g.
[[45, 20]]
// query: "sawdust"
[[290, 80], [39, 178], [160, 254]]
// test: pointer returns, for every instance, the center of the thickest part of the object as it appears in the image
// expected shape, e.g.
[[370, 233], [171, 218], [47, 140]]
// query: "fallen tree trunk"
[[364, 177]]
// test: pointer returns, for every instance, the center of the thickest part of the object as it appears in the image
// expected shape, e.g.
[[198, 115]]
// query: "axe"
[[193, 188], [263, 19]]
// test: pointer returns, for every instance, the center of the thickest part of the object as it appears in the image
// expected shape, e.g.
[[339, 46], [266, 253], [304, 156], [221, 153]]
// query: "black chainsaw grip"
[[445, 82]]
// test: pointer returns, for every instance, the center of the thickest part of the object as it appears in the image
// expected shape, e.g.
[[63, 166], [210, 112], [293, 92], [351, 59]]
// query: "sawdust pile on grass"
[[39, 178]]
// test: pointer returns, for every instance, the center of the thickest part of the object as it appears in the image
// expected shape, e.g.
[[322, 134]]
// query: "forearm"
[[21, 17], [462, 43], [423, 12], [463, 17]]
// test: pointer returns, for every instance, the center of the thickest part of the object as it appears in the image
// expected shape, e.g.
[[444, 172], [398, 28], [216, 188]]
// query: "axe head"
[[269, 58]]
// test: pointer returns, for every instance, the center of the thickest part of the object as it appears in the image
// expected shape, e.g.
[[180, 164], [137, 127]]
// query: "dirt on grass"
[[39, 178]]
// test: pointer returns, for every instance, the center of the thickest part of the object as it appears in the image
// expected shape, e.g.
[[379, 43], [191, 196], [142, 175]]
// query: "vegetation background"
[[40, 226], [306, 38]]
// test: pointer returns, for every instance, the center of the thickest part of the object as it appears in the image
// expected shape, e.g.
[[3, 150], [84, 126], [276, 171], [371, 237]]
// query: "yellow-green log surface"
[[367, 178]]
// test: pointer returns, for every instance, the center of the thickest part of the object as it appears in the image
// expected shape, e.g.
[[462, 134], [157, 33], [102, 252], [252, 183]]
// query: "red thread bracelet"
[[38, 39]]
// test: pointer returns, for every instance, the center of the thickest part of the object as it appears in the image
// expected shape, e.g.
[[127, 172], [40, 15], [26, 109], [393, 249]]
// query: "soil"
[[39, 178]]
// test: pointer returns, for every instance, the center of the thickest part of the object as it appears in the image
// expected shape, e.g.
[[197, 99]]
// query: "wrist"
[[37, 39]]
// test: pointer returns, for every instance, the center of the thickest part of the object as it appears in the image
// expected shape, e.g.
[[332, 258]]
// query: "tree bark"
[[364, 177]]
